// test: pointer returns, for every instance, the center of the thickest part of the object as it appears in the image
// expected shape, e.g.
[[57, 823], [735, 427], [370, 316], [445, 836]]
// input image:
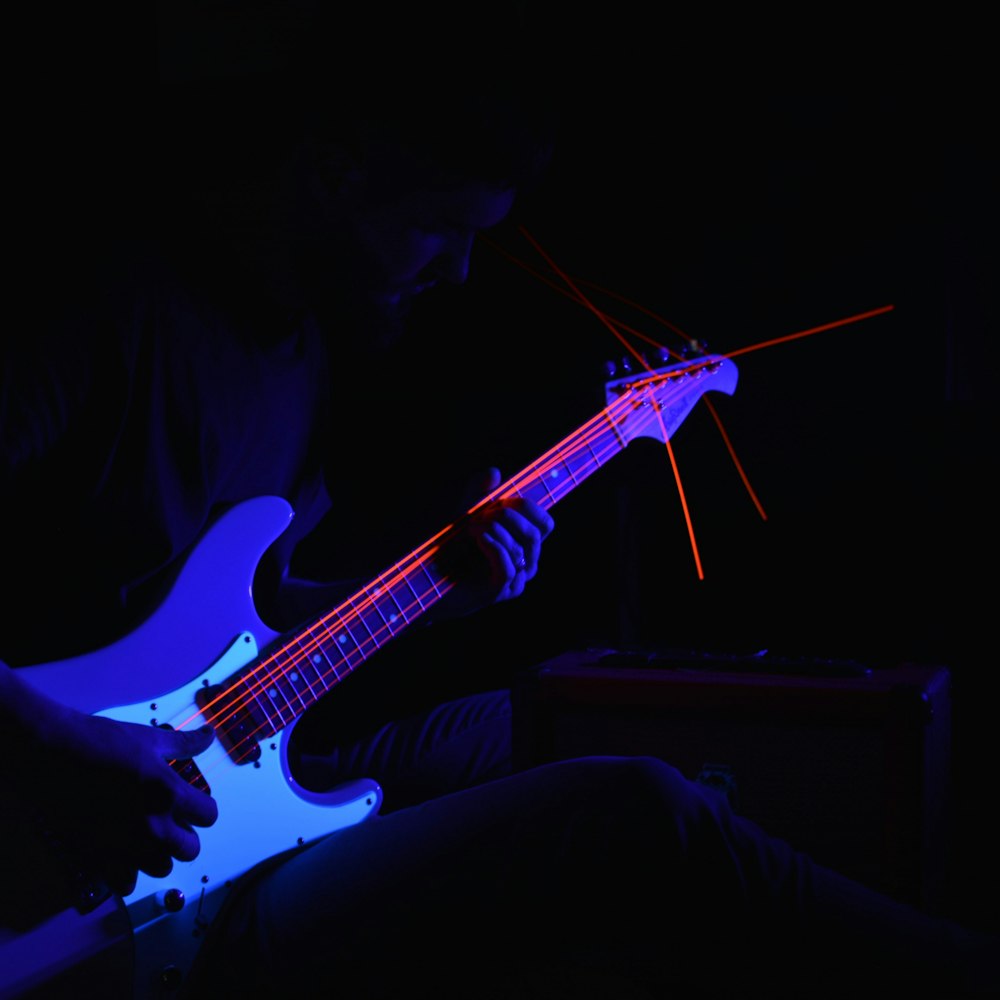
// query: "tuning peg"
[[655, 357], [618, 369]]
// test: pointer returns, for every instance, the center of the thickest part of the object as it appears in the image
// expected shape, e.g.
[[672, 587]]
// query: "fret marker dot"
[[294, 675], [341, 638], [317, 658], [554, 474], [393, 616], [273, 692]]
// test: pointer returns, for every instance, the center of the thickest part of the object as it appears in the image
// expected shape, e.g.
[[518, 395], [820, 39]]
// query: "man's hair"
[[467, 89]]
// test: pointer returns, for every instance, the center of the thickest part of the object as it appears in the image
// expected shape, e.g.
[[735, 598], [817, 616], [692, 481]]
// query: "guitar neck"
[[314, 660]]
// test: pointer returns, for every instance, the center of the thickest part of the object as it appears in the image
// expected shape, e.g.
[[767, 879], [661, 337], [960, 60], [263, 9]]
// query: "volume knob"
[[170, 900]]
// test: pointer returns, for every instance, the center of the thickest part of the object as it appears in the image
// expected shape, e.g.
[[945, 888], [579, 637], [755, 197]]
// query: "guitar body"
[[208, 618], [205, 655]]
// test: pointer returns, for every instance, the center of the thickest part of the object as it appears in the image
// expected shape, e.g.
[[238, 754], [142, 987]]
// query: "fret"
[[404, 576], [567, 473], [560, 480], [570, 471], [621, 412], [609, 442], [433, 577], [251, 685], [311, 661], [323, 667], [301, 668], [346, 643], [384, 604], [331, 651], [272, 695], [582, 461], [537, 488], [284, 680], [367, 620]]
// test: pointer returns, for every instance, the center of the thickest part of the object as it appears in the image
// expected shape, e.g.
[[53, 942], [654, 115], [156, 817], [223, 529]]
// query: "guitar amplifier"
[[846, 763]]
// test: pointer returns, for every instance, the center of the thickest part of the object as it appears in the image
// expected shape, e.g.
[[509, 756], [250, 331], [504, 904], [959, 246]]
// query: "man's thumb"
[[189, 742]]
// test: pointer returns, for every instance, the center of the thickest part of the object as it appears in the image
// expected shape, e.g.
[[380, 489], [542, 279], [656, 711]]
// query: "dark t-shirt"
[[129, 422]]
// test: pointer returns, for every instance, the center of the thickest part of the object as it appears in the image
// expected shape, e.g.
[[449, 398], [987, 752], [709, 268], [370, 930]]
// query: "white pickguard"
[[208, 618]]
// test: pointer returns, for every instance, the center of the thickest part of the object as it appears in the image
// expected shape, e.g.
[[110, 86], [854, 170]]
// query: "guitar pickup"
[[190, 771], [235, 727]]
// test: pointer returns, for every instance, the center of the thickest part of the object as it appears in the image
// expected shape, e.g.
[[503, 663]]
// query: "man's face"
[[379, 239], [413, 242]]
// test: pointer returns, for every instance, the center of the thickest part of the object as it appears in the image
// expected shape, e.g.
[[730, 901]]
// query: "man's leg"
[[620, 865]]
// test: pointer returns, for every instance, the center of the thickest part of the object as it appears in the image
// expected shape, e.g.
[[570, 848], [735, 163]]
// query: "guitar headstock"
[[654, 402]]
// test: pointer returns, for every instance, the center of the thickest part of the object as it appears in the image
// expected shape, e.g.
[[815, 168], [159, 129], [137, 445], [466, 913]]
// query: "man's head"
[[367, 156], [396, 246], [421, 126]]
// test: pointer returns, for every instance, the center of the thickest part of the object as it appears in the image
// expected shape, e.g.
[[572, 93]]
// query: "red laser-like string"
[[616, 326], [258, 679], [304, 646]]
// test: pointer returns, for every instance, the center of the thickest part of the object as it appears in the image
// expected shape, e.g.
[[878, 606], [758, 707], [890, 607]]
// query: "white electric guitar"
[[257, 684]]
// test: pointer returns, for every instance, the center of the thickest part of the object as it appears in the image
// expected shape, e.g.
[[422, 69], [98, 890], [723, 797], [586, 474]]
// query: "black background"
[[742, 194], [871, 446]]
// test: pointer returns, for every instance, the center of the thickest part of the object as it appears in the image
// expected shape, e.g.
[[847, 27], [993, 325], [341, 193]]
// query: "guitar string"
[[618, 329], [535, 473], [574, 295], [260, 678], [423, 558], [389, 580]]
